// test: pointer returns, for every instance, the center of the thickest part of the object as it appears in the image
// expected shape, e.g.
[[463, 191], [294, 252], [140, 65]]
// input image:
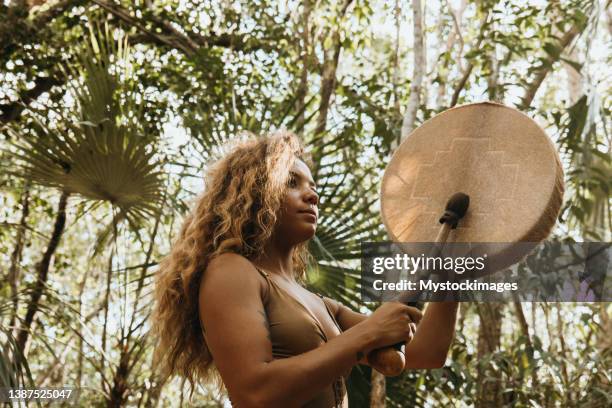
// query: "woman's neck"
[[278, 259]]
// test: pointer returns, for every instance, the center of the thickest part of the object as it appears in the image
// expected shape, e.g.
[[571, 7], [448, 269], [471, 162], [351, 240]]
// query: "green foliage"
[[141, 106], [98, 149]]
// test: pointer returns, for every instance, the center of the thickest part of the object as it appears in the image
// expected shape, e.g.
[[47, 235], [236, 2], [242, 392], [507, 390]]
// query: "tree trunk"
[[492, 79], [118, 392], [106, 307], [14, 268], [328, 83], [457, 18], [409, 121], [302, 91], [489, 387], [328, 74], [541, 74], [378, 392], [396, 56], [42, 271], [520, 314]]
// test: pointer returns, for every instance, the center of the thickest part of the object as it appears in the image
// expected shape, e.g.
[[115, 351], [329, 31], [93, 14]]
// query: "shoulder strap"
[[267, 278], [261, 271]]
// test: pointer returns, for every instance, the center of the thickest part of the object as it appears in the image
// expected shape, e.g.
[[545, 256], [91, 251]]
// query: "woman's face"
[[297, 221]]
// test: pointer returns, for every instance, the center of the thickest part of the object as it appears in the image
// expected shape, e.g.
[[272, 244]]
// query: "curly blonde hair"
[[236, 213]]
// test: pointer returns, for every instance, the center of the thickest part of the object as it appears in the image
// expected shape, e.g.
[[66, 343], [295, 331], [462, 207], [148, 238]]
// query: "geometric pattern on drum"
[[483, 173]]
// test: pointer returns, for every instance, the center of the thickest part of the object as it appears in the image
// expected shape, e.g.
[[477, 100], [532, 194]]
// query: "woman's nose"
[[312, 197]]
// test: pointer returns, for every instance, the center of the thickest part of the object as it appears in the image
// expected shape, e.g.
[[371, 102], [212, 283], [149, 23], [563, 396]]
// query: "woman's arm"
[[429, 346], [232, 312], [347, 318], [434, 335]]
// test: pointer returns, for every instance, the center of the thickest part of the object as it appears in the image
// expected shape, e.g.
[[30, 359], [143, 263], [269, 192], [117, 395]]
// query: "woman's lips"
[[310, 215]]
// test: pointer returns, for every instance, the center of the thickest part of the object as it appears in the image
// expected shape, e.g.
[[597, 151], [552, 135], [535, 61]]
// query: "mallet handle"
[[443, 233], [391, 360]]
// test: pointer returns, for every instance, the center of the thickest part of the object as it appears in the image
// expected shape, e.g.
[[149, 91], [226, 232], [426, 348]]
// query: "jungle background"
[[111, 110]]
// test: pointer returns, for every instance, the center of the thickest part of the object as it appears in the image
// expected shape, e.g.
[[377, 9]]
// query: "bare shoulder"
[[230, 261], [230, 274]]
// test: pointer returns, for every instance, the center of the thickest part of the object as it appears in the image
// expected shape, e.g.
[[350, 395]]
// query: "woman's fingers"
[[414, 313], [411, 332]]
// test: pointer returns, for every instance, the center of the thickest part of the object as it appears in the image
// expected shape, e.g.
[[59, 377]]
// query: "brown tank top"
[[295, 330]]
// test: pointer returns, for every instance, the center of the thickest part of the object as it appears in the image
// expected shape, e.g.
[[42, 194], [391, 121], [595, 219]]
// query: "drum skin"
[[498, 156]]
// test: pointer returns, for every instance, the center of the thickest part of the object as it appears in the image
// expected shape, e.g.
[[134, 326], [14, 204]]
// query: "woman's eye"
[[292, 182]]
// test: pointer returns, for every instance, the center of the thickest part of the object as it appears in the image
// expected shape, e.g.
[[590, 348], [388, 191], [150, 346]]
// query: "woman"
[[229, 298]]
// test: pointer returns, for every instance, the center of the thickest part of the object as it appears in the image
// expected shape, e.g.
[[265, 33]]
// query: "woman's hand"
[[428, 349], [391, 323]]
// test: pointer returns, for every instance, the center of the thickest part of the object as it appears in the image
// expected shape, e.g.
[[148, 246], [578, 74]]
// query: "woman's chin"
[[307, 232]]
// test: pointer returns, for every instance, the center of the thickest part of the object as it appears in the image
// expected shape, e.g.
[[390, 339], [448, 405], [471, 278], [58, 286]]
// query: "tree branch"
[[42, 272], [525, 330], [11, 111], [470, 67], [328, 76], [171, 37], [16, 255], [541, 74], [18, 29], [300, 105]]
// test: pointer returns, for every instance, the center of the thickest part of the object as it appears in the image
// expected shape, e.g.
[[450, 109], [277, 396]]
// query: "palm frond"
[[98, 150], [14, 368]]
